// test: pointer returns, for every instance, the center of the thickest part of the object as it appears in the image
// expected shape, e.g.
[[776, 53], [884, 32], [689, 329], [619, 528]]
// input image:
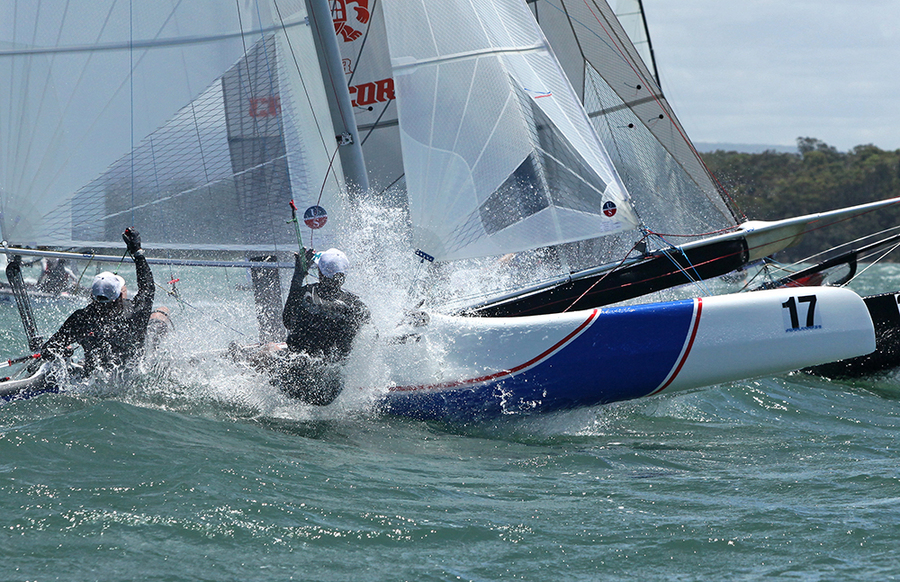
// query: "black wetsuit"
[[322, 322], [110, 334], [55, 278]]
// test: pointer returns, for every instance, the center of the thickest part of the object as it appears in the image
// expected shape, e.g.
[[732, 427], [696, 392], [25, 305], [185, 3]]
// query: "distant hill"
[[814, 177], [744, 148]]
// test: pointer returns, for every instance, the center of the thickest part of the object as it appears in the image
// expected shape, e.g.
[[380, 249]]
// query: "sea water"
[[182, 471]]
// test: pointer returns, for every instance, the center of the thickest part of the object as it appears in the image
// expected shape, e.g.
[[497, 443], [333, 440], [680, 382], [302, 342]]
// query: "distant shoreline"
[[744, 148]]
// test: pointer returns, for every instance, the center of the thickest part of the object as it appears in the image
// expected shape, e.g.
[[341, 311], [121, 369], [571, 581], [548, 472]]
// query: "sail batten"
[[131, 45], [400, 65]]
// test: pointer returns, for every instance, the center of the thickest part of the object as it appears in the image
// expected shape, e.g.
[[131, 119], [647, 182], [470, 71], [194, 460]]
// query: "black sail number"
[[793, 306]]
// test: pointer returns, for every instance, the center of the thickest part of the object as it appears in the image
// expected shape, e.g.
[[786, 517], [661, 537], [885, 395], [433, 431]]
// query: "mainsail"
[[673, 191], [630, 14], [113, 135]]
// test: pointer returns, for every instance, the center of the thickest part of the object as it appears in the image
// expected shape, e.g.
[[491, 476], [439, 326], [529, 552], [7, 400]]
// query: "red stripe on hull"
[[687, 350], [502, 373]]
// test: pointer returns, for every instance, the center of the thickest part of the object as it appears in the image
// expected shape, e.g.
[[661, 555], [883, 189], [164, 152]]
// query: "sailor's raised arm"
[[295, 295], [146, 289]]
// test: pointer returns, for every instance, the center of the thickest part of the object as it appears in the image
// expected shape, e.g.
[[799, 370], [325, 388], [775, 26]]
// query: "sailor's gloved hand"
[[308, 254], [132, 240]]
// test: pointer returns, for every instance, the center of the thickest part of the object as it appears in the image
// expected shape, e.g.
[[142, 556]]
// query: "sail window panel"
[[433, 166], [157, 186], [553, 103], [463, 136], [254, 113], [214, 177], [494, 137], [558, 30], [575, 184], [524, 193]]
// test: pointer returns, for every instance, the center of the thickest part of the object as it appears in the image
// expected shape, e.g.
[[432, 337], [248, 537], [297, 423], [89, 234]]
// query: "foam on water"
[[191, 467]]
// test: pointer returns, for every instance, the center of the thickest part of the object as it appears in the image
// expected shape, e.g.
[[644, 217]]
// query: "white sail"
[[153, 118], [498, 153], [359, 26], [667, 182], [671, 188]]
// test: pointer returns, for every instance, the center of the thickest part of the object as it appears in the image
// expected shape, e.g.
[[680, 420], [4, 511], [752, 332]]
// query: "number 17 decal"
[[794, 306]]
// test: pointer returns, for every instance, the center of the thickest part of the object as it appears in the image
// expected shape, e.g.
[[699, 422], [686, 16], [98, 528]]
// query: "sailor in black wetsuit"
[[56, 277], [112, 328], [322, 320]]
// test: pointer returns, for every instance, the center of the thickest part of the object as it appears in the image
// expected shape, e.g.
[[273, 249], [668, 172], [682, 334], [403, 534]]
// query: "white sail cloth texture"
[[189, 120], [498, 152]]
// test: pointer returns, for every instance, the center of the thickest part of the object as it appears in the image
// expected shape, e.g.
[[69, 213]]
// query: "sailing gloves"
[[308, 254], [132, 240]]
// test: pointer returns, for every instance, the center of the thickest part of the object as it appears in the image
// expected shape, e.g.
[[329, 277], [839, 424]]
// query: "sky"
[[770, 71]]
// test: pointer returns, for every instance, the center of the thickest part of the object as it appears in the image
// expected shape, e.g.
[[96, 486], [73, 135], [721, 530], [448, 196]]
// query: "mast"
[[652, 63], [320, 20]]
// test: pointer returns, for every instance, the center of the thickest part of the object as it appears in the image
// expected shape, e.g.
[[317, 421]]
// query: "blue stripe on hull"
[[28, 393], [626, 353]]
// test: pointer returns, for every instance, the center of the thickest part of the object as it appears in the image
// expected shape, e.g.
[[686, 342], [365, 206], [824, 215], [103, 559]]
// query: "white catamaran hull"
[[462, 369], [39, 382], [489, 367]]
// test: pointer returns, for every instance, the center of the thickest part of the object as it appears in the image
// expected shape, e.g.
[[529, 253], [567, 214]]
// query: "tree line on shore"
[[773, 185]]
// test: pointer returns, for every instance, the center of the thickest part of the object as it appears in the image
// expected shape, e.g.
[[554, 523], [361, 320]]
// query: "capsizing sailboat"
[[484, 123]]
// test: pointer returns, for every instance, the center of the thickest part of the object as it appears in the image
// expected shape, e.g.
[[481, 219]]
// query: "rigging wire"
[[131, 99], [362, 45], [329, 173], [831, 250], [181, 302], [374, 126], [886, 253], [315, 116], [605, 275], [666, 252], [391, 185], [83, 271], [269, 171]]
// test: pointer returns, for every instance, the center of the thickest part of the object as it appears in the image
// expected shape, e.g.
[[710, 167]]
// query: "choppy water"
[[179, 473]]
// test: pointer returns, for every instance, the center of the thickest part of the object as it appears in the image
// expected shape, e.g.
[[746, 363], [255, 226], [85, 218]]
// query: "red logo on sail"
[[339, 16], [609, 208], [315, 217], [368, 93], [265, 106]]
